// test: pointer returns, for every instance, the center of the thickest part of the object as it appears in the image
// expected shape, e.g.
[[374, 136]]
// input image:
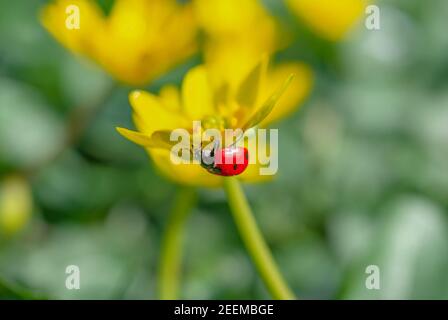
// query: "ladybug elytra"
[[229, 161]]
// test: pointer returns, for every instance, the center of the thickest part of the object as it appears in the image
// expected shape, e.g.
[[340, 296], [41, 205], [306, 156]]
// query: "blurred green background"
[[363, 172]]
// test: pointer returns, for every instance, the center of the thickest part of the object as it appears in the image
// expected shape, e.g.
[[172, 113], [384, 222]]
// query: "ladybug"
[[229, 161]]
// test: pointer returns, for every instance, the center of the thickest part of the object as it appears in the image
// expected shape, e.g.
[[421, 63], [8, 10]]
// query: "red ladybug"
[[230, 161]]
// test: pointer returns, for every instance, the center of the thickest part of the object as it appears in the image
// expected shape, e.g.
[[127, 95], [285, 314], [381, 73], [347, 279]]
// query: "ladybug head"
[[208, 157], [207, 154]]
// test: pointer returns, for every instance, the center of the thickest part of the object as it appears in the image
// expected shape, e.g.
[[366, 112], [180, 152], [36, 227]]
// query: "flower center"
[[214, 122]]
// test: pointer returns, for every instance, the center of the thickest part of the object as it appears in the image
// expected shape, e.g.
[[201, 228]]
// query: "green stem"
[[171, 251], [255, 244]]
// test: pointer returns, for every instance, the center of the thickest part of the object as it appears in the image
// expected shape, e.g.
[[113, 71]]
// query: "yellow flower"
[[199, 100], [331, 19], [238, 34], [229, 63], [225, 20], [16, 204], [136, 43]]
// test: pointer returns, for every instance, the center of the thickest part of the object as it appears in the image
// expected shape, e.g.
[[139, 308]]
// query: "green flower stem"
[[255, 244], [171, 251]]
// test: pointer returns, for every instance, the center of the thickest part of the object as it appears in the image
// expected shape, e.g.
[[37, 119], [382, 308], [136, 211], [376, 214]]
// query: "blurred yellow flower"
[[199, 100], [16, 204], [240, 32], [331, 19], [225, 20], [137, 42]]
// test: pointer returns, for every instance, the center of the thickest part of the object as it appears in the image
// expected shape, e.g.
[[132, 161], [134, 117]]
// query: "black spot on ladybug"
[[235, 166], [246, 156]]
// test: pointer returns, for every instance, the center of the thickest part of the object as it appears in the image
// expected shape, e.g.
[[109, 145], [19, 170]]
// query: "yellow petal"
[[162, 138], [185, 174], [197, 94], [231, 60], [152, 115], [128, 24], [238, 34], [137, 137], [136, 43], [261, 113], [120, 48], [57, 18], [248, 92], [170, 98], [296, 93], [329, 18], [224, 17]]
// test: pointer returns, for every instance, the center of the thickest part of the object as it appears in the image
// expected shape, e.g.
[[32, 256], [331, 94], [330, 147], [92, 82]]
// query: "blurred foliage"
[[363, 173]]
